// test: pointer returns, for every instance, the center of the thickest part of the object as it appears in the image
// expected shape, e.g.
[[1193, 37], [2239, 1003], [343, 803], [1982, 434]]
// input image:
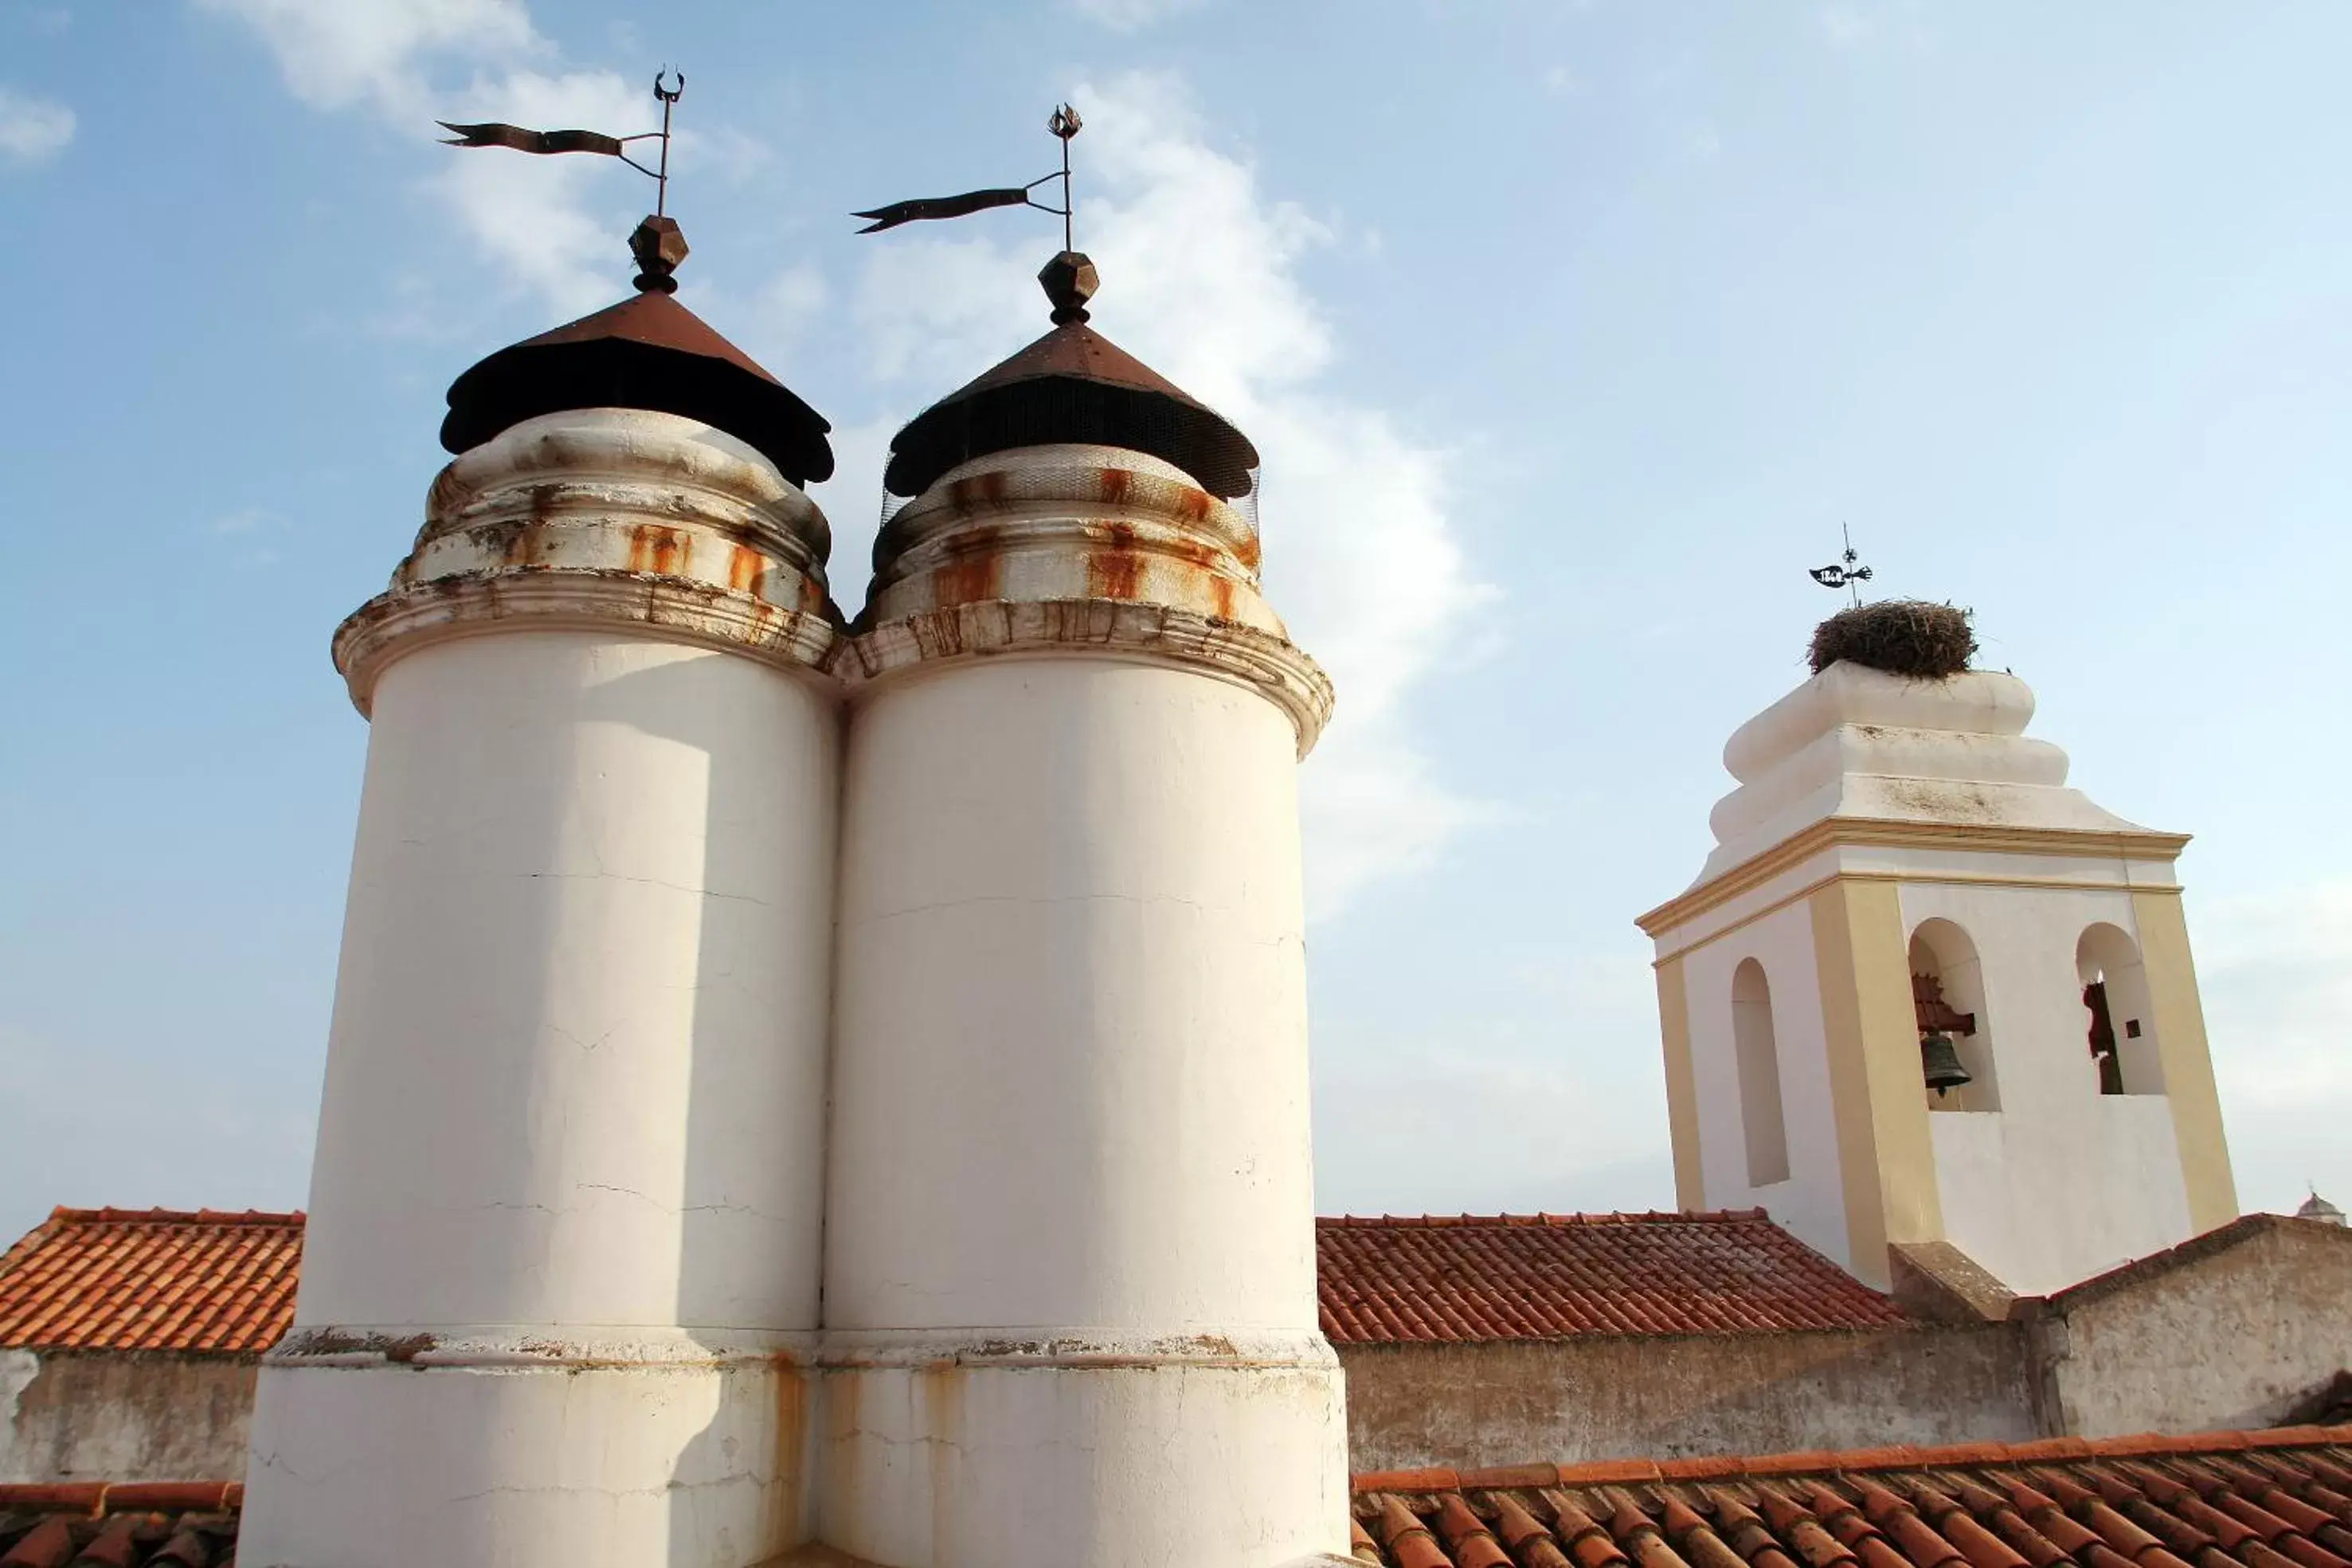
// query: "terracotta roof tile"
[[170, 1280], [2220, 1500], [92, 1525], [1436, 1278], [157, 1279]]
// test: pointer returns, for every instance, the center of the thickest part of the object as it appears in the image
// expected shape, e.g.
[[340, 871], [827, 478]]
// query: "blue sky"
[[1572, 333]]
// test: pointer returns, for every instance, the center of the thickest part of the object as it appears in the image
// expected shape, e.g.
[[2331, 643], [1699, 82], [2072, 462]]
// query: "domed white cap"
[[1855, 742]]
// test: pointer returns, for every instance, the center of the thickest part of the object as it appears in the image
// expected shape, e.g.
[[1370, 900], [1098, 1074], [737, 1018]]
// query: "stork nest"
[[1901, 636]]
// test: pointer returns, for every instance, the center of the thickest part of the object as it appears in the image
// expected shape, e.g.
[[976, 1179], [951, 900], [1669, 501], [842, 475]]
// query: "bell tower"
[[1923, 991]]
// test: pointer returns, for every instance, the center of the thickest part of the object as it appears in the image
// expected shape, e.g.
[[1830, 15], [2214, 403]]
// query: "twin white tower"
[[807, 1088]]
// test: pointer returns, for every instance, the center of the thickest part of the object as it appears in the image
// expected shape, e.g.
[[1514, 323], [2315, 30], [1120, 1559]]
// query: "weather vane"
[[1844, 573], [493, 133], [1063, 123]]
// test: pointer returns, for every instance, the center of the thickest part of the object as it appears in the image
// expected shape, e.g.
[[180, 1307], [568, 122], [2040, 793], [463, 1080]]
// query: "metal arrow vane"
[[495, 133], [1844, 572], [1063, 123]]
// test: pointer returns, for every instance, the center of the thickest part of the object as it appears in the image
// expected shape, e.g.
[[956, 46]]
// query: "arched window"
[[1759, 1075], [1948, 993], [2119, 1025]]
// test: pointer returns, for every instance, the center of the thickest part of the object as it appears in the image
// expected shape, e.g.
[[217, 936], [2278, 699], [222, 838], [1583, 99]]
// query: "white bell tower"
[[1904, 891]]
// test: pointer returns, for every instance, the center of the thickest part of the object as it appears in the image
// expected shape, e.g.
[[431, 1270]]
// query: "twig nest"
[[1901, 636]]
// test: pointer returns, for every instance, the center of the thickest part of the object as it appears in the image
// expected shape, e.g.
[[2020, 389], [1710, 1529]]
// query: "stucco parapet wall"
[[1076, 1349], [1879, 849], [565, 1348], [596, 519], [2155, 1266], [1157, 633]]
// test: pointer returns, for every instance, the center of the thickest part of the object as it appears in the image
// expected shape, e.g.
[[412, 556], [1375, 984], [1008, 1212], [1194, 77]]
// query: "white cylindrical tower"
[[1070, 1297], [562, 1276]]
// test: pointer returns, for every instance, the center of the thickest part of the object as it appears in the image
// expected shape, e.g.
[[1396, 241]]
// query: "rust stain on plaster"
[[973, 572], [1116, 572], [659, 551], [791, 1452], [977, 490], [745, 565]]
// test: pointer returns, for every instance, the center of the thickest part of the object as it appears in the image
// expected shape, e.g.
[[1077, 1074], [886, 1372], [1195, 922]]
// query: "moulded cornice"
[[677, 608], [993, 628], [2138, 844]]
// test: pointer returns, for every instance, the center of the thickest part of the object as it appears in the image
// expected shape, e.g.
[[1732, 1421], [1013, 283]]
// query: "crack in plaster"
[[600, 875]]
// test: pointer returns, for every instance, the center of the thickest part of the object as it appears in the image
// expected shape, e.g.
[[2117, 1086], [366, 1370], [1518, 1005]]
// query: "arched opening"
[[2117, 1023], [1767, 1136], [1947, 994]]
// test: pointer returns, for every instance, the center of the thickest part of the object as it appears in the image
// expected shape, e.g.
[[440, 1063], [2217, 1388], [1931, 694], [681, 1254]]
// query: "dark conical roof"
[[649, 352], [1071, 384]]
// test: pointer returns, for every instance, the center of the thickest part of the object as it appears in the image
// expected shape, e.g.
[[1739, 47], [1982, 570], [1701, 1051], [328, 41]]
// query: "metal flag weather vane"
[[494, 133], [1063, 123], [1843, 573]]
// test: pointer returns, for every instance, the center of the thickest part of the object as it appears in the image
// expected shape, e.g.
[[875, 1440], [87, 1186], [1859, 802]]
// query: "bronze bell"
[[1939, 1058]]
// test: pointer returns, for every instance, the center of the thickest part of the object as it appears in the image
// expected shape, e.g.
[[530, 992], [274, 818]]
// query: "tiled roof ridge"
[[98, 1499], [1823, 1461], [2220, 1239], [1463, 1279], [1599, 1216], [63, 1216]]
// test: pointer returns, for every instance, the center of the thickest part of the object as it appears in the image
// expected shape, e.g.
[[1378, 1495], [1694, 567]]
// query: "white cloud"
[[1132, 16], [534, 217], [1846, 27], [2277, 972], [32, 130], [371, 53], [1199, 280], [852, 501], [552, 225], [789, 303]]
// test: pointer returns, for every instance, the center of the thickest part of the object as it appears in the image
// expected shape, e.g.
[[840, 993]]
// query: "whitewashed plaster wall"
[[561, 1271], [1811, 1202], [2063, 1182], [1070, 1243]]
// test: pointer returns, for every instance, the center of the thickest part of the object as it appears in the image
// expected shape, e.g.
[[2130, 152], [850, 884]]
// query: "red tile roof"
[[169, 1524], [1547, 1276], [112, 1279], [155, 1279], [2220, 1499], [2280, 1499]]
